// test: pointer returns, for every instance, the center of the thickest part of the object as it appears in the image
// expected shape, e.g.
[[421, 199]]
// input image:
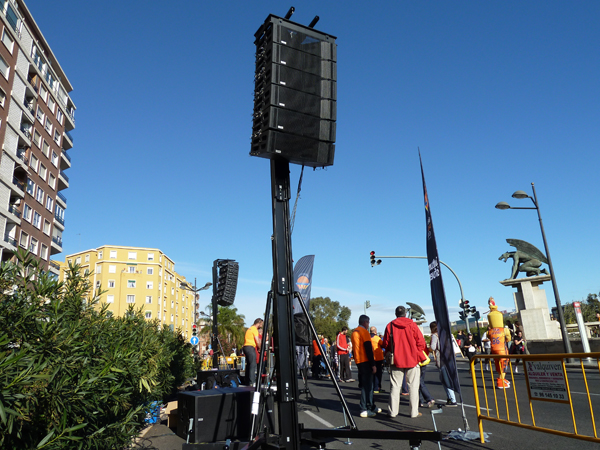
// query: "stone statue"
[[526, 259], [416, 313]]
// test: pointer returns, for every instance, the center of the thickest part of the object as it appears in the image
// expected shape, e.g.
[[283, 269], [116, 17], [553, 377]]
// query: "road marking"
[[582, 393], [443, 402], [319, 419]]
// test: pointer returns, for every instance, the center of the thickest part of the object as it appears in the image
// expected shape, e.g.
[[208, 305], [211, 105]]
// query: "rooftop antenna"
[[290, 12], [314, 22]]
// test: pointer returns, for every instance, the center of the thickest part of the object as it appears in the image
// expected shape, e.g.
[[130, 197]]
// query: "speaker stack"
[[295, 93]]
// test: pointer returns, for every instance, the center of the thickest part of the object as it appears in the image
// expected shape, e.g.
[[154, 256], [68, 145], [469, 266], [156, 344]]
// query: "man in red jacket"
[[341, 343], [404, 339]]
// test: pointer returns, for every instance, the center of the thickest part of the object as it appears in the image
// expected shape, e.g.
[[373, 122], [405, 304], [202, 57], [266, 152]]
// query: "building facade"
[[144, 278], [36, 115]]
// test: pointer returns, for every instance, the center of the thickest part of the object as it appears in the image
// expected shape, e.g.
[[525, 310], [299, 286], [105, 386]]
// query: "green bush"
[[71, 376]]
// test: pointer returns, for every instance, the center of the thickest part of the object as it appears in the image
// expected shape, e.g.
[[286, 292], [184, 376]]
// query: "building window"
[[112, 269], [54, 159], [131, 283], [172, 291], [44, 253], [97, 284], [48, 126], [148, 315], [171, 317], [98, 268], [149, 285], [39, 114], [113, 254], [150, 271], [150, 256], [131, 299], [51, 104], [131, 269], [37, 138], [37, 220], [172, 304], [33, 248], [148, 299], [46, 229], [45, 148], [24, 239], [100, 254], [110, 299], [43, 172], [39, 195], [87, 258], [43, 92], [52, 181], [27, 212], [59, 117], [4, 69], [7, 41], [132, 255], [30, 186], [49, 202], [33, 163], [111, 283]]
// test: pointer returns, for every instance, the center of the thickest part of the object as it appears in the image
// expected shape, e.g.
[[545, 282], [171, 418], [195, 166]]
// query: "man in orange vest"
[[362, 348], [378, 355]]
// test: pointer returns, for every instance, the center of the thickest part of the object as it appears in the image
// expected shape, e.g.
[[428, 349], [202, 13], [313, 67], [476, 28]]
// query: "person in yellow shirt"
[[251, 346], [377, 343], [362, 348]]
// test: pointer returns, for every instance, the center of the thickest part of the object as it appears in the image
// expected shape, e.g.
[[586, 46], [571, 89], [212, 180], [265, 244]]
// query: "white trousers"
[[412, 380]]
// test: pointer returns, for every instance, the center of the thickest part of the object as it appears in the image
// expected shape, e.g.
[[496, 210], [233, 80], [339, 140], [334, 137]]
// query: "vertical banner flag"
[[438, 296], [303, 272]]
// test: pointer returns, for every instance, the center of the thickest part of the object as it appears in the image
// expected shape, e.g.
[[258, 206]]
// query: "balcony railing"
[[71, 113], [62, 197], [29, 107], [62, 174], [12, 209], [26, 132], [69, 136], [59, 219], [18, 184], [10, 240], [53, 264], [66, 155], [21, 155], [57, 240]]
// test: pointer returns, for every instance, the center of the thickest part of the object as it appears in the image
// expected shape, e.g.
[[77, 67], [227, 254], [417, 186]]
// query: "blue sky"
[[496, 95]]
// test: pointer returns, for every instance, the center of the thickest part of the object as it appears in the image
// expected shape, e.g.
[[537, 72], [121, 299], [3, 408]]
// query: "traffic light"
[[374, 262], [461, 305], [462, 315], [473, 310], [477, 315], [466, 305], [194, 330], [227, 282]]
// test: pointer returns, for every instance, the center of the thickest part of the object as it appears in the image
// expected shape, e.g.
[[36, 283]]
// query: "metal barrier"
[[546, 379]]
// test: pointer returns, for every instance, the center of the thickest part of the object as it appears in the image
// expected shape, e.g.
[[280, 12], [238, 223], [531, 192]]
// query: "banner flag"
[[303, 281], [438, 296]]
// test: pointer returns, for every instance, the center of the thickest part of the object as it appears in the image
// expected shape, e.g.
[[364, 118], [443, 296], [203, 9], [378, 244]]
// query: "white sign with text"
[[547, 380]]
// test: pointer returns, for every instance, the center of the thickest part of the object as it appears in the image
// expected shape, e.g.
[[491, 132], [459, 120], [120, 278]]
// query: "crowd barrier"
[[545, 389]]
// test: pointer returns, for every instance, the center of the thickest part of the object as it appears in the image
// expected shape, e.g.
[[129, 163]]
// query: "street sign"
[[194, 340]]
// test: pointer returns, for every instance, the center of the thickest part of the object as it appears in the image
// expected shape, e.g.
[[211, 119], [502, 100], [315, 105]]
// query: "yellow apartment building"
[[140, 277]]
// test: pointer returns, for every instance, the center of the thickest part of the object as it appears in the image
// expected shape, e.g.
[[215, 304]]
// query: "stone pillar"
[[532, 307]]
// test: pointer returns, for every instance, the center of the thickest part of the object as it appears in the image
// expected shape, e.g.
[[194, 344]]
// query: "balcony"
[[65, 160], [21, 155], [56, 245], [57, 240], [67, 141], [32, 82], [26, 131], [19, 184], [13, 210], [60, 198], [63, 181], [10, 240], [69, 136], [59, 219]]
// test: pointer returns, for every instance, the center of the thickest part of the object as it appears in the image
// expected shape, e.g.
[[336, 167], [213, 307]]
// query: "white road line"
[[319, 419], [582, 393], [443, 402]]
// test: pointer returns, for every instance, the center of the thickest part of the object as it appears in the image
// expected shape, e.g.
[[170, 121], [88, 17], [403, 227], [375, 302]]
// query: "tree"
[[328, 316], [230, 326], [589, 307]]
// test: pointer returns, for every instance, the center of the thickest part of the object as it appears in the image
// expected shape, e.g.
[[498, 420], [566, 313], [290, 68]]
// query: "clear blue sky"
[[496, 95]]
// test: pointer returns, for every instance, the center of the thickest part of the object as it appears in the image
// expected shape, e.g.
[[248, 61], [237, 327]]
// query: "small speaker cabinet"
[[216, 414]]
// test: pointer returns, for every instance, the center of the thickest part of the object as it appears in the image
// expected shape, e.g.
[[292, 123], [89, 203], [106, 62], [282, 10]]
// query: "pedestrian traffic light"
[[227, 282], [194, 330], [374, 262]]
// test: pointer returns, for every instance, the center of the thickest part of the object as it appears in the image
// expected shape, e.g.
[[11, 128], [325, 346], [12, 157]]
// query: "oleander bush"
[[72, 376]]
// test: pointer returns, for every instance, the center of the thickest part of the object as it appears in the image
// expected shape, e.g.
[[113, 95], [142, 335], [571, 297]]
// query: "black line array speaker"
[[227, 282], [295, 93], [216, 414]]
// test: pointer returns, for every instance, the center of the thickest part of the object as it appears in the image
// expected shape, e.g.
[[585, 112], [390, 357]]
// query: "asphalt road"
[[324, 410]]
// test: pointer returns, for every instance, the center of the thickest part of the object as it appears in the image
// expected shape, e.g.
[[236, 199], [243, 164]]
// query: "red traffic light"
[[194, 326], [372, 253]]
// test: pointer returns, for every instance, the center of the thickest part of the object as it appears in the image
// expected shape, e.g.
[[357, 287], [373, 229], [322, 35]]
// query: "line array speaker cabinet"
[[216, 414], [227, 282], [295, 94]]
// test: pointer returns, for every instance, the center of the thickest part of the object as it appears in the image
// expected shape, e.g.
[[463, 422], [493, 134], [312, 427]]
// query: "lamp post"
[[561, 319], [195, 290], [462, 295]]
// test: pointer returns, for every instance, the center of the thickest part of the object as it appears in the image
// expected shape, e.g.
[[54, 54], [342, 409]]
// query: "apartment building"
[[36, 115], [140, 277]]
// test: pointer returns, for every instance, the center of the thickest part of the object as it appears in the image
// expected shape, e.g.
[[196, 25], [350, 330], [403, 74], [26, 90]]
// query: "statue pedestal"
[[532, 306]]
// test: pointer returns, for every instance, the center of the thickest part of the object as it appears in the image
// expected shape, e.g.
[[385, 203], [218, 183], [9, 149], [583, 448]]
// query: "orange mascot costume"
[[498, 336]]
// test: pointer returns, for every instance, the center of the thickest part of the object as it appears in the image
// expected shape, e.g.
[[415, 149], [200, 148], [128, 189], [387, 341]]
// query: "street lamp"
[[561, 319], [195, 290]]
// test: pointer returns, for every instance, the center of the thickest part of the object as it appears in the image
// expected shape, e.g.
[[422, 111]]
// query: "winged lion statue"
[[416, 312], [526, 259]]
